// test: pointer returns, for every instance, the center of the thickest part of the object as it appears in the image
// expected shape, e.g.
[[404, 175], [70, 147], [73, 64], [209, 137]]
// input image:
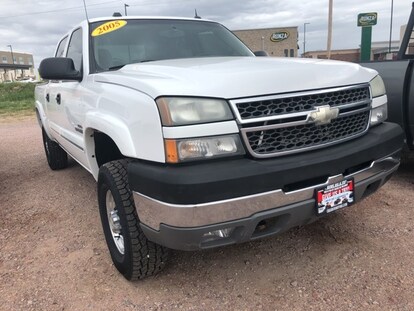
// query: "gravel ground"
[[53, 255]]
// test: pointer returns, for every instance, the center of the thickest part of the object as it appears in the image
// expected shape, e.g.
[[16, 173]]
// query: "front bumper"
[[190, 201]]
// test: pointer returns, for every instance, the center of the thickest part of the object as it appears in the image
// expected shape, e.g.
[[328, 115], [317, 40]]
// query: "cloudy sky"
[[36, 26]]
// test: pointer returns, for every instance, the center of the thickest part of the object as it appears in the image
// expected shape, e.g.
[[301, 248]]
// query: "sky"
[[36, 26]]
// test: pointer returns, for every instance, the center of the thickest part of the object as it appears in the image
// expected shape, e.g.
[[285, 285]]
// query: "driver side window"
[[61, 47], [75, 49]]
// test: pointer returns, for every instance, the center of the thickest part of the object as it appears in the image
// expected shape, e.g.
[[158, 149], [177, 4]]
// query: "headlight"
[[377, 87], [379, 111], [184, 111], [182, 150]]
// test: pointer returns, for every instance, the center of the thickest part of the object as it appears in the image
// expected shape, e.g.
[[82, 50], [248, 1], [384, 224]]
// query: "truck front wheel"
[[57, 158], [132, 254]]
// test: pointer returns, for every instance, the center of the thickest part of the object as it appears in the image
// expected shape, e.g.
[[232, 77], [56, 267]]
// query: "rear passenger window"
[[75, 48], [61, 47]]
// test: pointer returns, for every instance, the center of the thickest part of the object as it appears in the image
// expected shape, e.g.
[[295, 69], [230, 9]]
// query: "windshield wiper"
[[133, 62], [117, 67]]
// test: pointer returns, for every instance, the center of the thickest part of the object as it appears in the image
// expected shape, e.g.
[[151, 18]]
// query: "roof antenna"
[[86, 11], [196, 15]]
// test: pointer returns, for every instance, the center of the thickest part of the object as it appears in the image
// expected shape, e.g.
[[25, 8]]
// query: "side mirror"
[[59, 68], [261, 53]]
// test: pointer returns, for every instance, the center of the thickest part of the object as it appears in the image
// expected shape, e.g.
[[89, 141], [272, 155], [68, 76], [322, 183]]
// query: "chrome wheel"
[[114, 222]]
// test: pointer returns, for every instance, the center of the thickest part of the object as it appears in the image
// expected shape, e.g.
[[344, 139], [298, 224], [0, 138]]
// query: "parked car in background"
[[398, 76]]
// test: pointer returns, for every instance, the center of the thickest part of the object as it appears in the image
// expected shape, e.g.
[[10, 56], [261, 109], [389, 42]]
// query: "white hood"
[[235, 77]]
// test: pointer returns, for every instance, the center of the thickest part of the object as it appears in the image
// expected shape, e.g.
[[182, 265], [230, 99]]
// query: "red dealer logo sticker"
[[335, 196]]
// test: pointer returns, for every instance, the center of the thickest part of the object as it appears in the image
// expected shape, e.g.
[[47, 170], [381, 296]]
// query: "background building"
[[410, 49], [19, 68], [275, 41], [379, 51], [347, 55]]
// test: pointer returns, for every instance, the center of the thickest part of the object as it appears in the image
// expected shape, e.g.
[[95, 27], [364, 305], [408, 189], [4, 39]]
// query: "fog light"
[[379, 114], [217, 234]]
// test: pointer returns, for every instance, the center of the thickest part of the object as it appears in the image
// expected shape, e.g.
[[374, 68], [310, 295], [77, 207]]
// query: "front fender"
[[111, 126], [115, 128], [132, 140], [129, 117]]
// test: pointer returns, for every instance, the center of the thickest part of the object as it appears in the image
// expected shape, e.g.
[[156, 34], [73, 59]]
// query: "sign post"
[[366, 21]]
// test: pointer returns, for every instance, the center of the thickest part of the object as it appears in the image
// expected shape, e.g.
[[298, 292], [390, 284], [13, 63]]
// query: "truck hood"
[[235, 77]]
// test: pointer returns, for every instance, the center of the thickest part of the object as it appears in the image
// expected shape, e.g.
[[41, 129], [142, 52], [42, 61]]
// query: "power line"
[[89, 5], [57, 10]]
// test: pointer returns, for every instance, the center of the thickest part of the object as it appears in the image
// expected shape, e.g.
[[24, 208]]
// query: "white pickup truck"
[[197, 143]]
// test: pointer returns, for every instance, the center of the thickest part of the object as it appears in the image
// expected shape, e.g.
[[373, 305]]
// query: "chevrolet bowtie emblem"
[[323, 115]]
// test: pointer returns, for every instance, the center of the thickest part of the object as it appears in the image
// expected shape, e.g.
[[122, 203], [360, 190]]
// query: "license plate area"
[[334, 196]]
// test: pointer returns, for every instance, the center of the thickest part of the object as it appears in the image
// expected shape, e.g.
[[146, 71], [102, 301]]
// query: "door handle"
[[47, 97], [58, 99]]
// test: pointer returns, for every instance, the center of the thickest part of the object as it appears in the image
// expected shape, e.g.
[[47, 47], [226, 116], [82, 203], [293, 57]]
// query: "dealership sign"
[[279, 36], [367, 19]]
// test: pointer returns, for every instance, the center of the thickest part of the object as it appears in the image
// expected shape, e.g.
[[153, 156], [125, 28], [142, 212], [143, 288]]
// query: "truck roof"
[[111, 18], [99, 19]]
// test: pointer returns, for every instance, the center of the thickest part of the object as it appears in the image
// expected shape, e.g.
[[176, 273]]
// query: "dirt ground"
[[53, 255]]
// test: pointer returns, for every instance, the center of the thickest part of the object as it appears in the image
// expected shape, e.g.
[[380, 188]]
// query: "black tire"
[[141, 257], [57, 158]]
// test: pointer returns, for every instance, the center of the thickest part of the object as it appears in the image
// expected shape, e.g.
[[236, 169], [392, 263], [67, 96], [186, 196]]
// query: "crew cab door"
[[52, 88], [68, 96]]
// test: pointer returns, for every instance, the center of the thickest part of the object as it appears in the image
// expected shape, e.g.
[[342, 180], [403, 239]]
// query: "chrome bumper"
[[152, 212]]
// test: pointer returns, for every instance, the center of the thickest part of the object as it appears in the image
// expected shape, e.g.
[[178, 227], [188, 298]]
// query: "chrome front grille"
[[300, 103], [285, 124], [307, 135]]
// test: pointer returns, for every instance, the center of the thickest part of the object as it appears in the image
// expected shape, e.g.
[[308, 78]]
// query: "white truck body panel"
[[196, 143], [235, 77], [122, 104]]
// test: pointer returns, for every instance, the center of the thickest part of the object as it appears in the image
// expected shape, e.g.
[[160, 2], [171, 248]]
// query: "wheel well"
[[105, 149]]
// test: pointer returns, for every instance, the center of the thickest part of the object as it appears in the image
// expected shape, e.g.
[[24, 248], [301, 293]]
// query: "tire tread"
[[148, 258], [57, 158]]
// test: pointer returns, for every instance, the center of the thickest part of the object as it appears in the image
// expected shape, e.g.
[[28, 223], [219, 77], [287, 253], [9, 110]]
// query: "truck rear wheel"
[[57, 158], [132, 254]]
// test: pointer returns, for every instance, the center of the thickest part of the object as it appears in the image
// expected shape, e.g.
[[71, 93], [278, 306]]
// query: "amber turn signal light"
[[171, 155]]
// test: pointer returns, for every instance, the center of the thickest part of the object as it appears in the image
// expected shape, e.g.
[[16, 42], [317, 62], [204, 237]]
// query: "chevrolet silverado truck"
[[398, 76], [197, 143]]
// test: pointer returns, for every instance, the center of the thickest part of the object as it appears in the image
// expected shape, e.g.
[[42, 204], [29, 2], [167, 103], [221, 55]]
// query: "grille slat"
[[285, 139], [282, 126], [286, 105]]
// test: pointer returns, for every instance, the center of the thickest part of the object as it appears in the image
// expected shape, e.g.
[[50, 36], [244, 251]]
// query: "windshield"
[[120, 42]]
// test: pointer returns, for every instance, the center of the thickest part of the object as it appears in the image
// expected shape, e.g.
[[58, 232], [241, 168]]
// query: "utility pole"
[[125, 7], [11, 51], [304, 38], [392, 13], [328, 49]]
